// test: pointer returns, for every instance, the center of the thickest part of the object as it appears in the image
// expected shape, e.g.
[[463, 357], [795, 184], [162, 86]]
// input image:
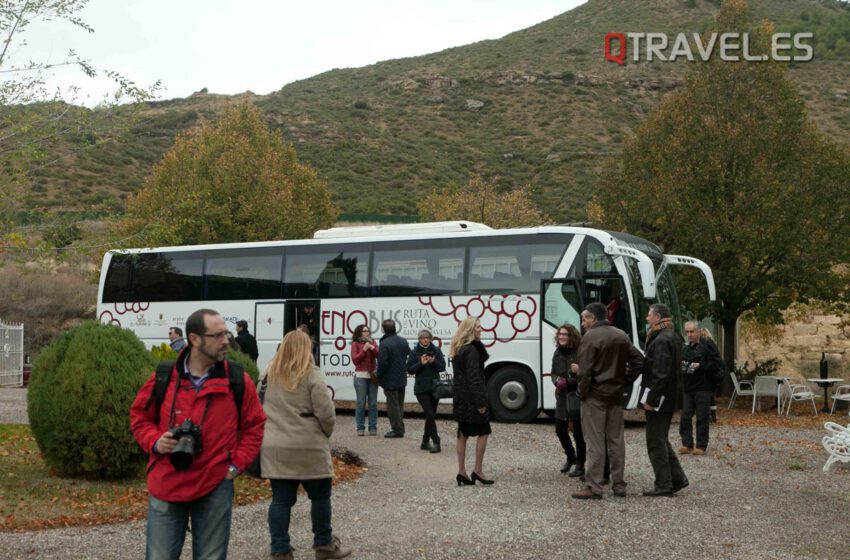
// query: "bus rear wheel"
[[512, 393]]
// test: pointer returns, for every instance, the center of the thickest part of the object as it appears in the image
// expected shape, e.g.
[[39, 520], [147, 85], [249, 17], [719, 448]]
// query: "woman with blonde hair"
[[470, 402], [296, 447]]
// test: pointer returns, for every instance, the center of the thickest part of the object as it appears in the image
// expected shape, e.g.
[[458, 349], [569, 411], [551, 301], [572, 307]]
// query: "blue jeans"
[[284, 496], [364, 387], [167, 523]]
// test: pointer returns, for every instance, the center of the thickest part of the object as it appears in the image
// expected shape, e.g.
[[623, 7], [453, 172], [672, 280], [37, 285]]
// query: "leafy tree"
[[35, 118], [232, 180], [481, 200], [728, 169]]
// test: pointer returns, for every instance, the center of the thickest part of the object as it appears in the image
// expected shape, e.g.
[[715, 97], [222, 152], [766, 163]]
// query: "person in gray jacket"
[[661, 396], [392, 375], [296, 448]]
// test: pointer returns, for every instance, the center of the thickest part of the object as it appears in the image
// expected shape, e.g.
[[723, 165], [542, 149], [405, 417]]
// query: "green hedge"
[[79, 397]]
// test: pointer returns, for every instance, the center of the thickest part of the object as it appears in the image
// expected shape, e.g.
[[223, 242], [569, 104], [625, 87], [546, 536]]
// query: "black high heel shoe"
[[476, 476], [463, 481]]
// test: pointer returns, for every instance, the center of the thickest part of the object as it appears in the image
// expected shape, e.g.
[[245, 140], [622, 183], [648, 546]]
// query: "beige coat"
[[296, 446]]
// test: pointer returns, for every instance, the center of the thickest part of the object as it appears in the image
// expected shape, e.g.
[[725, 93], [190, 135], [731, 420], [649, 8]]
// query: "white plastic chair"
[[837, 444], [767, 386], [798, 392], [842, 393], [738, 390]]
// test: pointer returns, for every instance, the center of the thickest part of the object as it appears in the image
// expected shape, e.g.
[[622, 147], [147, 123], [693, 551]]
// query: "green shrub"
[[79, 398], [247, 363]]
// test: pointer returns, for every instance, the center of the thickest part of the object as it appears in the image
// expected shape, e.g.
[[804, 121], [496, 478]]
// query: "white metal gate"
[[11, 354]]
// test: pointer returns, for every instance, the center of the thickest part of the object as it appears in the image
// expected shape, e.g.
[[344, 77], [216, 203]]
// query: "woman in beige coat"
[[296, 448]]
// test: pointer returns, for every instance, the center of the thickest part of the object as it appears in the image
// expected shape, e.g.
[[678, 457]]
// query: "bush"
[[246, 362], [79, 398]]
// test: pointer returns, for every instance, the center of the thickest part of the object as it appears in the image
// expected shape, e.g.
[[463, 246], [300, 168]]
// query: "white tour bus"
[[522, 284]]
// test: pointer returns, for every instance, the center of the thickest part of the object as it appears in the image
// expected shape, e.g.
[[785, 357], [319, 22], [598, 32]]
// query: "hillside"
[[538, 106]]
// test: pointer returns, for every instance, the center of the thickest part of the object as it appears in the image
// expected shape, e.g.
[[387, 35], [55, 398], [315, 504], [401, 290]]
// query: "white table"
[[826, 384]]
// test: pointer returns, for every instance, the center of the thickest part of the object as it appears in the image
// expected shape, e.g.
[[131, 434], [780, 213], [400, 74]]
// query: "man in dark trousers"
[[701, 364], [660, 396], [247, 342], [392, 375], [604, 355]]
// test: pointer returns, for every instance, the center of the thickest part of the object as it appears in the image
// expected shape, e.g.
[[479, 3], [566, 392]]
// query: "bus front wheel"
[[512, 393]]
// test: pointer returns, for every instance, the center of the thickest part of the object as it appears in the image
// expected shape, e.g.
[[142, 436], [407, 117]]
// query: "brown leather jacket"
[[603, 356]]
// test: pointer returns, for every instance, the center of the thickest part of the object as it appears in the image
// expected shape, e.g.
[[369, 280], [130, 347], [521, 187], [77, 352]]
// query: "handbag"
[[254, 470], [443, 389], [573, 404]]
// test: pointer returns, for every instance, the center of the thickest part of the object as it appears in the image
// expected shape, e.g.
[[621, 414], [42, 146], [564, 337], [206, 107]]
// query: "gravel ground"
[[759, 493]]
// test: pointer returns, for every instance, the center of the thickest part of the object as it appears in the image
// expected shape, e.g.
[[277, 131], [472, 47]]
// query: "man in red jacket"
[[226, 443]]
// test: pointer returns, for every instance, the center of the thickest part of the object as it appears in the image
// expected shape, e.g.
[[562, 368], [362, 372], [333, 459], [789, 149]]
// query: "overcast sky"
[[230, 46]]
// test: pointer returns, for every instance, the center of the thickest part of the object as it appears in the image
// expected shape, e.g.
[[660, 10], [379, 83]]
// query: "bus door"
[[268, 329], [304, 314], [561, 303]]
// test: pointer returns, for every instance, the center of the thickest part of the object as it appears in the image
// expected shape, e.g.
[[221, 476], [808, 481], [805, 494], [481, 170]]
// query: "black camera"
[[188, 436]]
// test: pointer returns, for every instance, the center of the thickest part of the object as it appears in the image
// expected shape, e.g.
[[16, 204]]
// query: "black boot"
[[577, 472], [571, 460], [425, 446], [435, 447]]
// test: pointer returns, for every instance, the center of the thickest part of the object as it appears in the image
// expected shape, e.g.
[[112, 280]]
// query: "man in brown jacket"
[[603, 355]]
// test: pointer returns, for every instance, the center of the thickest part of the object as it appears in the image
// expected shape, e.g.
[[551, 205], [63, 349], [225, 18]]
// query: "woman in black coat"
[[426, 361], [470, 402], [566, 383]]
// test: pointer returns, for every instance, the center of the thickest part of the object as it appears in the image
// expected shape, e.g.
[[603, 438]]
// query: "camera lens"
[[183, 453]]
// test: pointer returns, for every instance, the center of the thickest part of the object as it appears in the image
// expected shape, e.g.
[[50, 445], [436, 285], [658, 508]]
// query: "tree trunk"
[[729, 354]]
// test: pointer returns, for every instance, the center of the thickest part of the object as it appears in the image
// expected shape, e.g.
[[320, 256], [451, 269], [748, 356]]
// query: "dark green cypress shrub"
[[79, 398]]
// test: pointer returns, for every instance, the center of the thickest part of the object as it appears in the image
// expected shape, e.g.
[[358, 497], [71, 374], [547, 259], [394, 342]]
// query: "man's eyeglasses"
[[222, 334]]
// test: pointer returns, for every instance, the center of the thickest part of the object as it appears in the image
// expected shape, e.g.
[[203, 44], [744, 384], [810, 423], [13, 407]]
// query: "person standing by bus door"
[[392, 375], [567, 341], [246, 340], [661, 396], [603, 356]]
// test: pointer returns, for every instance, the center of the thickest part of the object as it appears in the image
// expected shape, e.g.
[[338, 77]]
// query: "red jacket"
[[364, 360], [221, 446]]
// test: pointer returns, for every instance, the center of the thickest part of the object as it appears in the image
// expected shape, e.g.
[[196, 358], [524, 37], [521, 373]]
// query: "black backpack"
[[163, 376]]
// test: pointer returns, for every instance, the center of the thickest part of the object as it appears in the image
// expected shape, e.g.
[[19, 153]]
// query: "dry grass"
[[46, 301]]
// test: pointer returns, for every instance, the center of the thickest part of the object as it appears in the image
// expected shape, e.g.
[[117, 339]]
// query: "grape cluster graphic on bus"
[[503, 317], [135, 307]]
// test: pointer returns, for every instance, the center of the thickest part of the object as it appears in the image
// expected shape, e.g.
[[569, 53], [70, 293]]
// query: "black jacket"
[[425, 374], [248, 344], [706, 354], [562, 359], [470, 388], [662, 373], [392, 367]]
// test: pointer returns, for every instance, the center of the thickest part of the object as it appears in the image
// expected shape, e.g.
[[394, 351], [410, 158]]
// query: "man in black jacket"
[[247, 342], [701, 363], [661, 394], [392, 375]]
